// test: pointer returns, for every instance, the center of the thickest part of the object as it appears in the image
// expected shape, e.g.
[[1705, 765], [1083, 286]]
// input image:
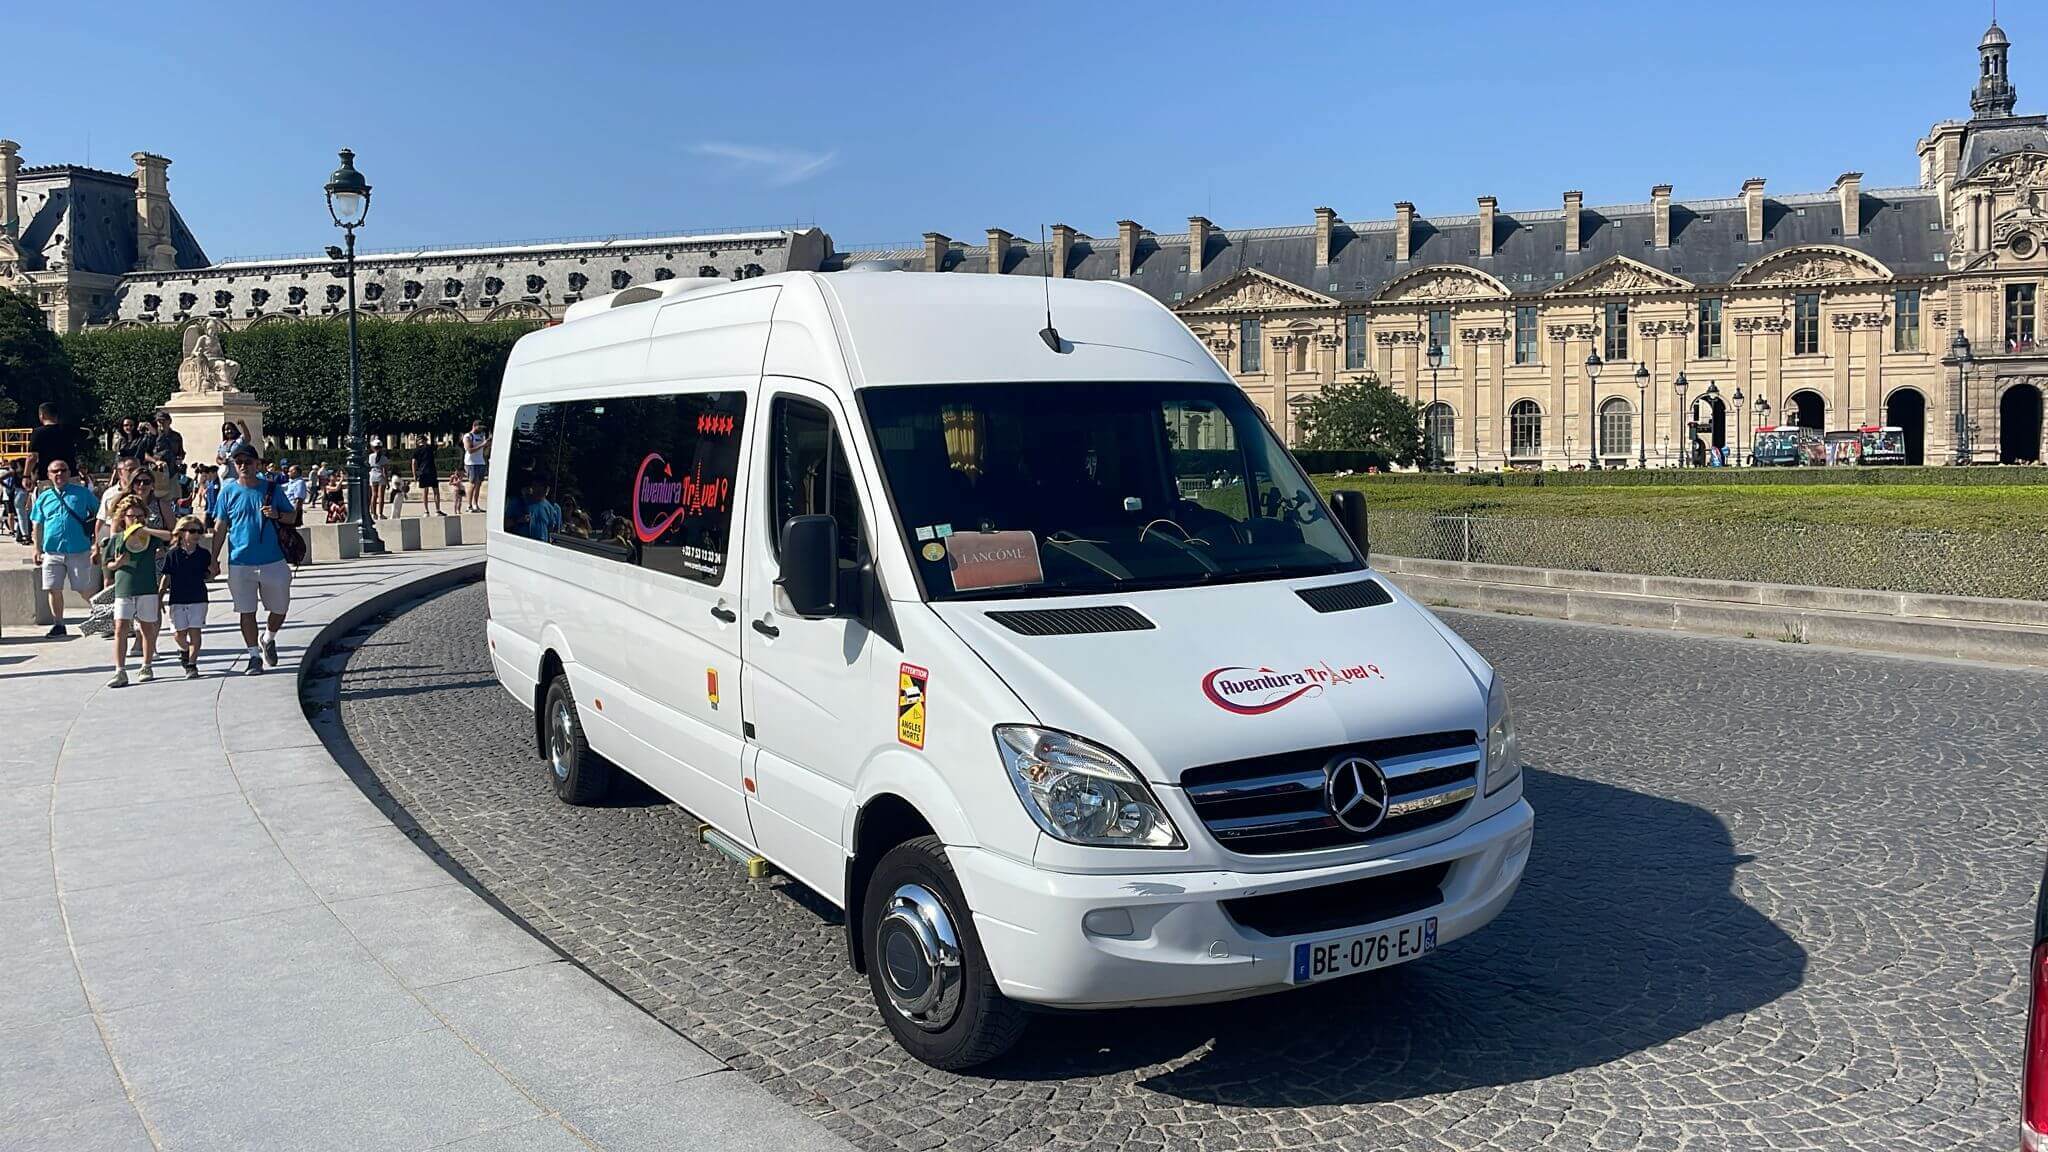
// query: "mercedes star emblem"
[[1356, 791]]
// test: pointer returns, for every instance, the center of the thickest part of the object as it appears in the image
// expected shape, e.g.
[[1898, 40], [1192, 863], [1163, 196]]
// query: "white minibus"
[[992, 610]]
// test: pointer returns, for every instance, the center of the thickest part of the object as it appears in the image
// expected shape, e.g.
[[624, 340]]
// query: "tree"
[[123, 372], [1362, 414], [34, 368]]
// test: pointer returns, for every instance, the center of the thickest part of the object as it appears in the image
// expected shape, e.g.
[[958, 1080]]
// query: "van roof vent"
[[1344, 597], [640, 294], [1073, 621]]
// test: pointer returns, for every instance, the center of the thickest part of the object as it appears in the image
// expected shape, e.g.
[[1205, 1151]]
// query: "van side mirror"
[[810, 565], [1348, 506]]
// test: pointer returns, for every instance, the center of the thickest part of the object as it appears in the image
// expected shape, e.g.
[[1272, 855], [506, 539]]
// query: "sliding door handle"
[[766, 629], [723, 614]]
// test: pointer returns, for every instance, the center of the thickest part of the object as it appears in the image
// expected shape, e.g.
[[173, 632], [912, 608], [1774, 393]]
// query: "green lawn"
[[2020, 508]]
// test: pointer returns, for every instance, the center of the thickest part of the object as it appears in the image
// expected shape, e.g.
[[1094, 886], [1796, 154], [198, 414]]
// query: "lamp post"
[[1741, 415], [1643, 416], [348, 202], [1763, 413], [1958, 358], [1710, 396], [1593, 366], [1436, 360], [1683, 417]]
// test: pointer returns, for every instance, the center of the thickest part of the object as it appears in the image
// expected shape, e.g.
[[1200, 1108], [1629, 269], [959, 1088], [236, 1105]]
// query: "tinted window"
[[644, 480]]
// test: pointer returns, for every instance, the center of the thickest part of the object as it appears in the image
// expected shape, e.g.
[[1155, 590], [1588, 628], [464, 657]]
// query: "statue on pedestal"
[[203, 368]]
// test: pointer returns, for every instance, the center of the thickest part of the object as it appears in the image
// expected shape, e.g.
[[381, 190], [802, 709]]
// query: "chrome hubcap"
[[918, 950], [561, 738]]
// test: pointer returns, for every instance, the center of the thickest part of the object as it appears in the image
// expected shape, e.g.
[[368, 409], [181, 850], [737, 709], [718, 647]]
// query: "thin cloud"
[[780, 167]]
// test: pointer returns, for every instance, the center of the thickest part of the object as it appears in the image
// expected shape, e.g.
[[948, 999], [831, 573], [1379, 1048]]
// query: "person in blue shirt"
[[543, 516], [252, 514], [63, 516]]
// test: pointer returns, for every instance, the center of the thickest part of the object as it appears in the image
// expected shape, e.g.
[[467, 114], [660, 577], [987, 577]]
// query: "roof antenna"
[[1049, 334]]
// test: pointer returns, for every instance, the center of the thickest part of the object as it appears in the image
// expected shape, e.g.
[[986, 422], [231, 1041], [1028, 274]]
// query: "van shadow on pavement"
[[1624, 935]]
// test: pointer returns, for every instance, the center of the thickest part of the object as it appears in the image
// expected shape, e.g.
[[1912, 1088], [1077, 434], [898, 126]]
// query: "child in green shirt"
[[129, 553]]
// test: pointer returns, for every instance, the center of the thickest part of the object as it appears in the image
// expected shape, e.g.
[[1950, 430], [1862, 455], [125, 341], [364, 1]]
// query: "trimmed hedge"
[[1694, 477]]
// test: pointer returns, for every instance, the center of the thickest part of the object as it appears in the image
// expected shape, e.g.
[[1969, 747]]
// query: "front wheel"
[[579, 775], [926, 968]]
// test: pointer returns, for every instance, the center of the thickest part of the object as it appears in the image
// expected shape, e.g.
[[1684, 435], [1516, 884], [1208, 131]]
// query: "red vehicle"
[[2034, 1074]]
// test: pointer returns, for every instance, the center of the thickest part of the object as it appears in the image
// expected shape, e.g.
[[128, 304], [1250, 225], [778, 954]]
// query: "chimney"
[[1849, 187], [10, 163], [1487, 206], [1753, 209], [1326, 222], [1574, 202], [1404, 225], [153, 250], [998, 249], [1062, 248], [935, 245], [1660, 216], [1198, 243], [1126, 247]]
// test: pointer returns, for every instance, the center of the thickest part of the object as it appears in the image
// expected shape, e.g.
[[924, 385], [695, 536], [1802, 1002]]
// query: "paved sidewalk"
[[213, 940]]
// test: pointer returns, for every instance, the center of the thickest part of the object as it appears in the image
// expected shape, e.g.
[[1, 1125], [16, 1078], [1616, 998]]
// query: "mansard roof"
[[1900, 228], [91, 212], [1987, 140]]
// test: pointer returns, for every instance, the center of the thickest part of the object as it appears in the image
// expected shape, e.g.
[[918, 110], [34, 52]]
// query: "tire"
[[580, 776], [973, 1022]]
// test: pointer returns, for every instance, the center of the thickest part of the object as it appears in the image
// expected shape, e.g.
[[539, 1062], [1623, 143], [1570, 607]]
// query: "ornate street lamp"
[[1684, 418], [1643, 416], [1763, 413], [1593, 366], [1436, 360], [1958, 358], [1710, 396], [1741, 415], [348, 202]]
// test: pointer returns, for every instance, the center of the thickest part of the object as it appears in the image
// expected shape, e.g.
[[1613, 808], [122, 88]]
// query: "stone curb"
[[1905, 635], [1977, 609]]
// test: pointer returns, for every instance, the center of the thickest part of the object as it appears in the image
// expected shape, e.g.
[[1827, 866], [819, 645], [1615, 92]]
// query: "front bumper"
[[1183, 947]]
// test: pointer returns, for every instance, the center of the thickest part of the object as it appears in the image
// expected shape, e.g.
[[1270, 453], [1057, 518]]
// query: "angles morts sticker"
[[910, 712]]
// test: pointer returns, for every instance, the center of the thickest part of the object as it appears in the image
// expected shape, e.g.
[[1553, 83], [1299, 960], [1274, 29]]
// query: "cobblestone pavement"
[[1778, 900]]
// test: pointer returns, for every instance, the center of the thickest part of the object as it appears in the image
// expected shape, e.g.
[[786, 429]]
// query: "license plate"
[[1326, 959]]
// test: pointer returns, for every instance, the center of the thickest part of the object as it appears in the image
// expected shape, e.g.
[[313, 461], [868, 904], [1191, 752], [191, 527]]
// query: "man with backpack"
[[253, 516]]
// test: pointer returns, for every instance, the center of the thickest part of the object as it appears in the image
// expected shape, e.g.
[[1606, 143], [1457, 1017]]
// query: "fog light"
[[1108, 922]]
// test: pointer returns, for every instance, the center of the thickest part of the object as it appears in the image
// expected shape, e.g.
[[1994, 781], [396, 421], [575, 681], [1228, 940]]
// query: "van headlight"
[[1082, 793], [1503, 747]]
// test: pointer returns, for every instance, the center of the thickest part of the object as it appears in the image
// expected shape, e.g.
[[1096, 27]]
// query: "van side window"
[[811, 475], [642, 480]]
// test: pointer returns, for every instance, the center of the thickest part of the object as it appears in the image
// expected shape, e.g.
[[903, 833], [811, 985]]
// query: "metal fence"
[[2010, 564]]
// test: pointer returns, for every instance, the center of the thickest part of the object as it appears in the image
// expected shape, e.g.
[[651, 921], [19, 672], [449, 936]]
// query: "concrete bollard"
[[439, 531], [472, 528], [327, 543], [399, 535]]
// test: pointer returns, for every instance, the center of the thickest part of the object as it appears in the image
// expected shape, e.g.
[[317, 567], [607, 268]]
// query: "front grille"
[[1272, 804], [1351, 904], [1073, 621]]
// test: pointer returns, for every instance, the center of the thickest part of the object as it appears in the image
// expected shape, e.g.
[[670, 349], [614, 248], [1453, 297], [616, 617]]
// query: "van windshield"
[[1013, 490]]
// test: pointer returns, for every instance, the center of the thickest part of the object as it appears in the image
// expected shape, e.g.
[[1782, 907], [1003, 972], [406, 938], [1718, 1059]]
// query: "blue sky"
[[515, 121]]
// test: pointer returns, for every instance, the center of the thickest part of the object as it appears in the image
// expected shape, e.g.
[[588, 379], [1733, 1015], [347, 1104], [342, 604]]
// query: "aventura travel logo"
[[660, 497], [1256, 691]]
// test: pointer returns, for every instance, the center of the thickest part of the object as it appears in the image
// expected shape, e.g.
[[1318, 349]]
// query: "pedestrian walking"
[[129, 555], [232, 436], [63, 517], [115, 491], [52, 439], [426, 476], [168, 452], [476, 460], [14, 501], [186, 568], [251, 516]]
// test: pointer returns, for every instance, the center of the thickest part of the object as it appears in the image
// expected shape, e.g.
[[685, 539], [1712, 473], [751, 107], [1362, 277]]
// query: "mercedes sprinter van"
[[992, 610]]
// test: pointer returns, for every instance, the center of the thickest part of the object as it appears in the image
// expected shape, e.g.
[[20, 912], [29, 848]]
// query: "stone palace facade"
[[1834, 309]]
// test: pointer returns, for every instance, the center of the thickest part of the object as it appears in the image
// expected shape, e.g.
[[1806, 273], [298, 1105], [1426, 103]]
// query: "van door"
[[808, 690]]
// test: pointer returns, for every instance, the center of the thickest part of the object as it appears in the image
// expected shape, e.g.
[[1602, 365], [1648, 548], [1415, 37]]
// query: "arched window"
[[1525, 429], [1440, 431], [1617, 427]]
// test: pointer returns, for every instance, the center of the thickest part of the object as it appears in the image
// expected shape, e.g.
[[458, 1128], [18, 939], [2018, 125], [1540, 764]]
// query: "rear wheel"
[[927, 971], [580, 776]]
